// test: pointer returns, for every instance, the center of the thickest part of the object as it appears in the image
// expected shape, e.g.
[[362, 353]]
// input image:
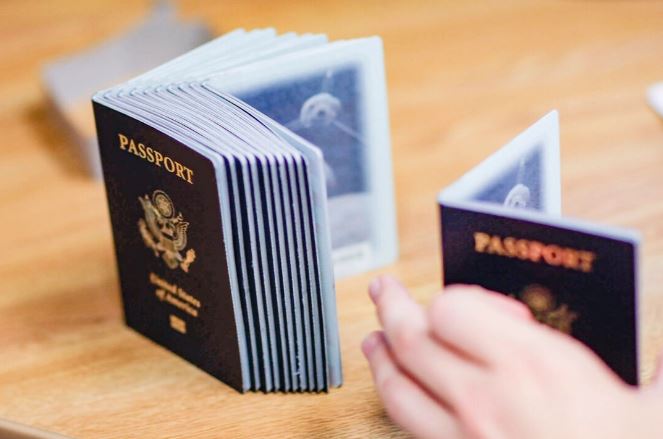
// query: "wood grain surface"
[[463, 77]]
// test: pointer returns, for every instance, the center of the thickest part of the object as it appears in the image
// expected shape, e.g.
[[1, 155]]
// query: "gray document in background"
[[71, 81]]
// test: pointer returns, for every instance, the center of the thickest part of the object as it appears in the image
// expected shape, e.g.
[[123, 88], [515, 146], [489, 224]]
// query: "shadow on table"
[[54, 138]]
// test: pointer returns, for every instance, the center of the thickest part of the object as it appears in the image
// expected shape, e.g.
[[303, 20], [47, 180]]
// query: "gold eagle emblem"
[[164, 232], [544, 308]]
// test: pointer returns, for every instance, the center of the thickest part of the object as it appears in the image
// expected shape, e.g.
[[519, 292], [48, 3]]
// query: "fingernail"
[[369, 344], [375, 288]]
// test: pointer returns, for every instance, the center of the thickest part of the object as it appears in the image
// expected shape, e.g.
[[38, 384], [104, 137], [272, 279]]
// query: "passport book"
[[241, 178], [502, 229]]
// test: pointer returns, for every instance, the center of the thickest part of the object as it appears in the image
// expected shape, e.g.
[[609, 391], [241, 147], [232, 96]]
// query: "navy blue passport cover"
[[166, 222]]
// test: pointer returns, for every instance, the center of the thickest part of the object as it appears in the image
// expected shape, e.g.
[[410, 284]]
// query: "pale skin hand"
[[476, 365]]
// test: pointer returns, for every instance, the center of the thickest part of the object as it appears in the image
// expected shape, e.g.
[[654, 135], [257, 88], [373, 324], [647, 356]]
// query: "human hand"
[[477, 365]]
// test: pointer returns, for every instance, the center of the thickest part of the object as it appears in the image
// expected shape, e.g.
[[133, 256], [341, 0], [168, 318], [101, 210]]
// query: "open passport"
[[241, 178], [502, 229]]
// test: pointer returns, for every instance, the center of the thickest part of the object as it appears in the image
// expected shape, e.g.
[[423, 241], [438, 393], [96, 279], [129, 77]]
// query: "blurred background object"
[[12, 430], [71, 81], [655, 97]]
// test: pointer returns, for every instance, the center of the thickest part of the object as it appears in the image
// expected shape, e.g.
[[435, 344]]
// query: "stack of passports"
[[219, 214]]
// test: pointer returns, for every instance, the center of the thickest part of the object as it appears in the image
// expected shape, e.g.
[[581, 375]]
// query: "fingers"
[[400, 316], [506, 304], [435, 365], [483, 325], [405, 401]]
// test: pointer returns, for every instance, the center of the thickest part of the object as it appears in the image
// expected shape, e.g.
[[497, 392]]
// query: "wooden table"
[[463, 78]]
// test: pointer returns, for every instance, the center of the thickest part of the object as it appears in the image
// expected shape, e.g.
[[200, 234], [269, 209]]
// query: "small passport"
[[240, 178], [502, 229]]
